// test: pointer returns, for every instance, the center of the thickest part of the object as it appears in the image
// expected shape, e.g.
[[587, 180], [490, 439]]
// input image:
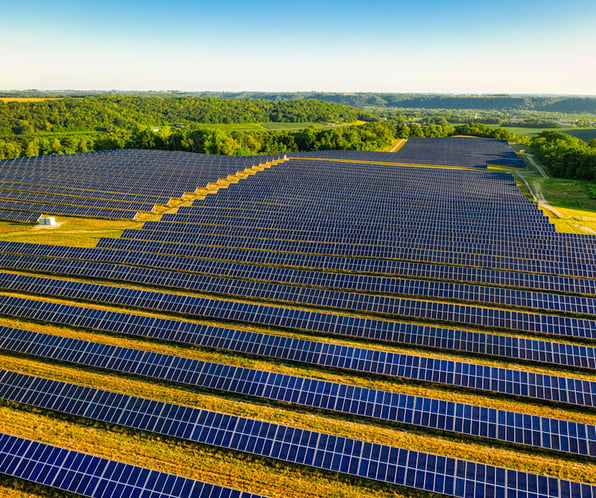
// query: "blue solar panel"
[[340, 283], [21, 216], [273, 252], [316, 321]]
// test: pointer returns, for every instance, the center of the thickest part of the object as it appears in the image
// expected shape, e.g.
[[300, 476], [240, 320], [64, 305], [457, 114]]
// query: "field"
[[27, 99], [586, 134], [306, 254], [274, 126]]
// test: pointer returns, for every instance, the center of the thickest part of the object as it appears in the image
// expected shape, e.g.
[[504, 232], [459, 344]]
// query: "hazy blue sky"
[[505, 46]]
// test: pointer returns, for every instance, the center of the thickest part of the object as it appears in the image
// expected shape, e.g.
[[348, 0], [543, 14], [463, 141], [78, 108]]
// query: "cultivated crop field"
[[324, 324], [27, 99]]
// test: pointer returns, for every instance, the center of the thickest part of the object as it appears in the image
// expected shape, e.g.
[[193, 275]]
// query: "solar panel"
[[340, 283], [21, 216], [272, 252], [247, 261], [427, 336]]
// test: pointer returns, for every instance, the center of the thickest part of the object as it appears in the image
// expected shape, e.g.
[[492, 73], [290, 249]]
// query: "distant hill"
[[503, 103]]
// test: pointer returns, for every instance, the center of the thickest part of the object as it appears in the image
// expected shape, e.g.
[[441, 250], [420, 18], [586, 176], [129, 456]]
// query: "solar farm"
[[332, 323]]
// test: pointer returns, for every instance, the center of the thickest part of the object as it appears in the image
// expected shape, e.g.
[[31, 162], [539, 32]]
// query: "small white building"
[[50, 220]]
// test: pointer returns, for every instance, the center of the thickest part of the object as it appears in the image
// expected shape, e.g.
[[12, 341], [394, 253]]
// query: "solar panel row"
[[420, 335], [199, 234], [474, 236], [69, 210], [89, 194], [416, 230], [22, 216], [341, 283], [74, 201], [457, 151], [270, 315]]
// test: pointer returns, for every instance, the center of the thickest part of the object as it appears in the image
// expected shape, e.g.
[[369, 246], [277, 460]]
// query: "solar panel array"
[[336, 324], [111, 184], [541, 432], [449, 278], [448, 151]]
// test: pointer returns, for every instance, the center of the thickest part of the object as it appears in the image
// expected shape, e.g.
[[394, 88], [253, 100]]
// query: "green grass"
[[575, 207], [570, 194], [272, 126]]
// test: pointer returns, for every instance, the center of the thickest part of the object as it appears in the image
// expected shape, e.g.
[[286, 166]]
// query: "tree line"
[[369, 136], [365, 100]]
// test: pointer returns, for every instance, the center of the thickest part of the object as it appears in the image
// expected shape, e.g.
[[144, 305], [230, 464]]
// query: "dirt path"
[[535, 188], [397, 145], [537, 166]]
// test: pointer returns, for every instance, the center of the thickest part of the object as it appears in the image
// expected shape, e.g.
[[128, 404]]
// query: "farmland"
[[398, 325], [585, 134]]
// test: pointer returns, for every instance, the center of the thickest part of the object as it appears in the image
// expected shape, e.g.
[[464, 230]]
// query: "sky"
[[417, 46]]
